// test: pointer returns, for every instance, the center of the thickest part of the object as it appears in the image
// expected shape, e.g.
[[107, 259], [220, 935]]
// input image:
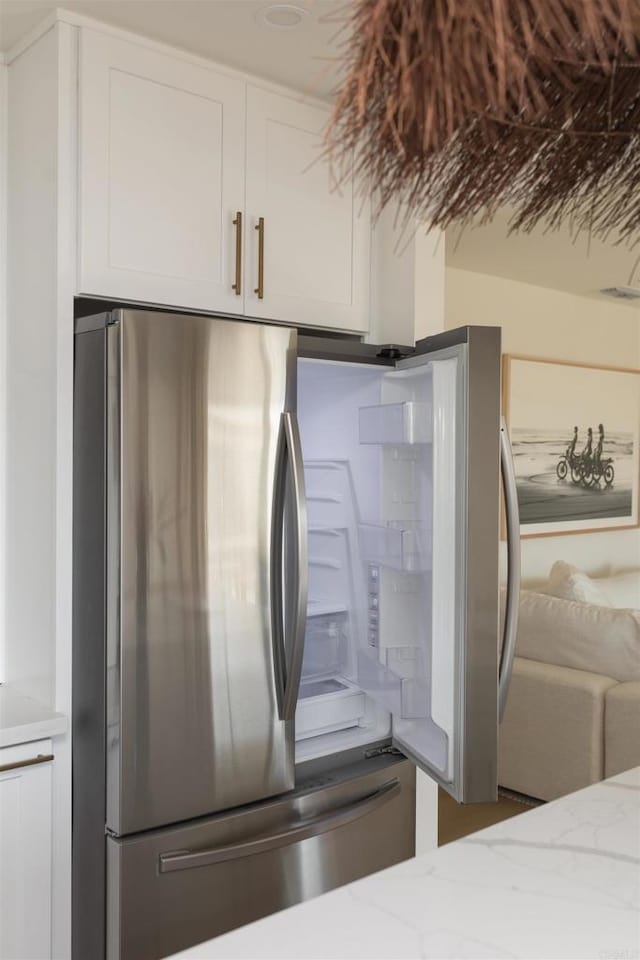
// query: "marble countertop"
[[560, 881], [23, 719]]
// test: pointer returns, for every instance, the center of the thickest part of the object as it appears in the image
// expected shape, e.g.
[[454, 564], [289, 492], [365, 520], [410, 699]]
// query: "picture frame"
[[571, 481]]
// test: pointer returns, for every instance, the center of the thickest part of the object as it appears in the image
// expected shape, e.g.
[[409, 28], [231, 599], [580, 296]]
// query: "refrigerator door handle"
[[287, 676], [299, 615], [276, 571], [302, 830], [513, 562]]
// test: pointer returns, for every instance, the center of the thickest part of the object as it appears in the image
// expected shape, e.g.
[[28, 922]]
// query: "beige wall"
[[540, 322]]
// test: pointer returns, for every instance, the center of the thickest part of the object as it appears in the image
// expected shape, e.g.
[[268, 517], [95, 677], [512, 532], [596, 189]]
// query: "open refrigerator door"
[[402, 474]]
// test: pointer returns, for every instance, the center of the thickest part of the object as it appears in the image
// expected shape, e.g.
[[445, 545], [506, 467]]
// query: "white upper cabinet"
[[161, 176], [164, 171], [316, 237]]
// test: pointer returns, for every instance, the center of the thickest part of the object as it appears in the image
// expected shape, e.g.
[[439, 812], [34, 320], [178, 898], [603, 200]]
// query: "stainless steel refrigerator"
[[285, 597]]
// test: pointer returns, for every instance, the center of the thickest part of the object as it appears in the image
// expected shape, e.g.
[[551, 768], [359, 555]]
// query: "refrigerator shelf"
[[327, 531], [327, 686], [323, 608], [396, 423]]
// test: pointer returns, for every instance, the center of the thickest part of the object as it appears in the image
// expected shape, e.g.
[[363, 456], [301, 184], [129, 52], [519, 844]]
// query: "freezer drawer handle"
[[303, 830], [513, 562]]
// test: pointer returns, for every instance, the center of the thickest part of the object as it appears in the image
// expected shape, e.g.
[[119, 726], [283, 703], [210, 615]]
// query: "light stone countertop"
[[23, 719], [560, 881]]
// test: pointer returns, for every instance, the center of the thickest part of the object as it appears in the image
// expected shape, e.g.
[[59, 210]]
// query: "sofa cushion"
[[550, 741], [623, 589], [570, 583], [622, 728], [579, 635]]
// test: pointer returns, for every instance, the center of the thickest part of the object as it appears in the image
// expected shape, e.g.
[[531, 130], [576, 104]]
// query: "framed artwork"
[[574, 431]]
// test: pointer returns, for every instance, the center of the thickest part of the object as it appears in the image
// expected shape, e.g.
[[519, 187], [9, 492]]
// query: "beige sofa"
[[573, 711]]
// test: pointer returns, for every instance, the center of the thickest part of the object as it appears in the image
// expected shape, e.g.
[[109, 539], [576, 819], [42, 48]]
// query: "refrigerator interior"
[[367, 441]]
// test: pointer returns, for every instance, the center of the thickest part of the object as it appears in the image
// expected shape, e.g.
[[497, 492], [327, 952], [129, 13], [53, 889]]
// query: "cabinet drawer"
[[171, 888], [25, 851]]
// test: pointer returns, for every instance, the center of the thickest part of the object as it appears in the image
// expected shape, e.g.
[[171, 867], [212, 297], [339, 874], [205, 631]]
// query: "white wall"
[[429, 318], [31, 374], [541, 322], [39, 383], [3, 367], [407, 280]]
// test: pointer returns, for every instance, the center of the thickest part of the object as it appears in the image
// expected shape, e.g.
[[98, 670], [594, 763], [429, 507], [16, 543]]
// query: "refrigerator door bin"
[[396, 423], [394, 546], [400, 684], [171, 888]]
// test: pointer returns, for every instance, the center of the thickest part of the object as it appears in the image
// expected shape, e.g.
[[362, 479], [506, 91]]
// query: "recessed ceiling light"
[[282, 16]]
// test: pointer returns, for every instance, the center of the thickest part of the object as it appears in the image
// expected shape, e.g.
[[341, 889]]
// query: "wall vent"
[[622, 293]]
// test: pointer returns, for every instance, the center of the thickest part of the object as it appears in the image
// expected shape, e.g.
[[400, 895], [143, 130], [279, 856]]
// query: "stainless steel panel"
[[88, 714], [478, 759], [193, 706], [512, 604], [302, 829], [153, 913], [474, 777]]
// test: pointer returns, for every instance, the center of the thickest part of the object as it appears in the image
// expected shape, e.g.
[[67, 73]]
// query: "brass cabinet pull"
[[41, 758], [237, 286], [260, 288]]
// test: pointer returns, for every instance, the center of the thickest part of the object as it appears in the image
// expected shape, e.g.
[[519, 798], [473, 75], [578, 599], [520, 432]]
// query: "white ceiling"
[[224, 30], [547, 259]]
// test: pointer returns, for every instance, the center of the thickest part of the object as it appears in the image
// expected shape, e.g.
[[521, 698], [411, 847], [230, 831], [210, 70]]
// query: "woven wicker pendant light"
[[457, 107]]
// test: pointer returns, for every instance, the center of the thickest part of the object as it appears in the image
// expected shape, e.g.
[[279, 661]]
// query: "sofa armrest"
[[622, 728], [551, 740]]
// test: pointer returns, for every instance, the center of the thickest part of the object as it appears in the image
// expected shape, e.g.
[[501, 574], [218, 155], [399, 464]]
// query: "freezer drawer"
[[170, 888]]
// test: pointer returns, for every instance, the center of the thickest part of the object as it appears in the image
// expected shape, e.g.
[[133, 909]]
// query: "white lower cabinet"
[[25, 851]]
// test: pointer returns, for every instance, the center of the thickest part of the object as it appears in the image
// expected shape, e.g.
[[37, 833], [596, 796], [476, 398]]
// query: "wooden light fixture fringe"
[[457, 107]]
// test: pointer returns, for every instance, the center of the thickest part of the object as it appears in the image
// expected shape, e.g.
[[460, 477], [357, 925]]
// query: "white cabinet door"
[[25, 851], [161, 145], [316, 238]]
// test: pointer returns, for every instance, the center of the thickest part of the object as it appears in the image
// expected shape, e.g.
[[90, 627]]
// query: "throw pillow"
[[569, 583]]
